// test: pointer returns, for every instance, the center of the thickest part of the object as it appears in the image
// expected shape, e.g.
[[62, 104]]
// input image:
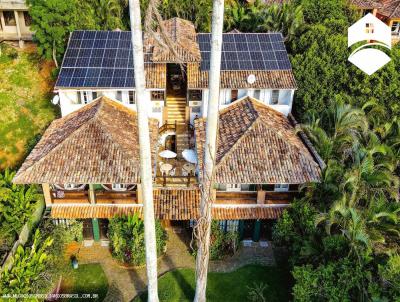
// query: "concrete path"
[[125, 283]]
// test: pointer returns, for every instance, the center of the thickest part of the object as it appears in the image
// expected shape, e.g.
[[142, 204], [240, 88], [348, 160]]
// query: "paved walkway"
[[125, 283]]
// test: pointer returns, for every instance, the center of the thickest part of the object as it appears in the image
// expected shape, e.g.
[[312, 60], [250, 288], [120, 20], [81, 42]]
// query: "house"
[[100, 63], [88, 160], [15, 21], [386, 10]]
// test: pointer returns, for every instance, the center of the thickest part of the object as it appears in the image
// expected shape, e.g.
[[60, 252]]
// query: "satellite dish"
[[56, 99], [251, 79]]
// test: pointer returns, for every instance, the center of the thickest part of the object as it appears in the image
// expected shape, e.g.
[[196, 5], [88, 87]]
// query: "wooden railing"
[[177, 180], [254, 197], [101, 197]]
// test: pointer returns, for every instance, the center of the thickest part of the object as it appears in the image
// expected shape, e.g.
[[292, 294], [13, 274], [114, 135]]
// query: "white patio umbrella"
[[190, 156], [167, 154]]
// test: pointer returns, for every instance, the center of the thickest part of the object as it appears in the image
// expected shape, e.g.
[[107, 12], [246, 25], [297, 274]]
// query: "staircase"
[[176, 107], [182, 139]]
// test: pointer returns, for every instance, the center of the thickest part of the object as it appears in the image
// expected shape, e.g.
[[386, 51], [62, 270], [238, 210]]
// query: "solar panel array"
[[104, 58], [98, 59], [247, 51]]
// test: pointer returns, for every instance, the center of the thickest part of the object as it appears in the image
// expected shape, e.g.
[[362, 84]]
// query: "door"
[[87, 229], [248, 229], [103, 224], [266, 229]]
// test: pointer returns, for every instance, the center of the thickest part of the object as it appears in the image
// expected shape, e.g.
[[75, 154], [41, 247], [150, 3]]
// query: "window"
[[132, 97], [396, 27], [275, 97], [69, 186], [27, 19], [225, 96], [256, 94], [156, 109], [94, 95], [86, 97], [234, 94], [118, 187], [9, 18], [196, 109], [195, 95], [233, 187], [369, 28], [157, 95], [281, 187], [119, 95]]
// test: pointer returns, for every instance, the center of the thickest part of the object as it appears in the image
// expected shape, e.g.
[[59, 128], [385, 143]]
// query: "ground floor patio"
[[125, 283]]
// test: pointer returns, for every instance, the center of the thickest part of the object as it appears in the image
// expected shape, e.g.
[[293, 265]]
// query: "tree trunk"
[[203, 227], [145, 150]]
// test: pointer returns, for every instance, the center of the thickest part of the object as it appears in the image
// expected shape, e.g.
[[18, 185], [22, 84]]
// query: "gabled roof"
[[95, 144], [257, 145]]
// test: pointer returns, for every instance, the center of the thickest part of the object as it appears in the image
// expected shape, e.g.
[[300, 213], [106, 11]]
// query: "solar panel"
[[247, 51], [104, 58]]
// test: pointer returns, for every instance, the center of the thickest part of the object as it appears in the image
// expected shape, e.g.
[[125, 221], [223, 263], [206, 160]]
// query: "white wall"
[[70, 100], [284, 105]]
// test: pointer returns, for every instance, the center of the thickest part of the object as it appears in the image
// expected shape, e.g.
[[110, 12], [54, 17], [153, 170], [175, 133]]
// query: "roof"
[[272, 79], [103, 59], [257, 145], [183, 35], [171, 204], [390, 8], [95, 144], [13, 5], [366, 4]]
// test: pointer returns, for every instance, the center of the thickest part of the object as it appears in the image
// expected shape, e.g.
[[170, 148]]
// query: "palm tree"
[[286, 18], [372, 174], [145, 150], [337, 132], [203, 227]]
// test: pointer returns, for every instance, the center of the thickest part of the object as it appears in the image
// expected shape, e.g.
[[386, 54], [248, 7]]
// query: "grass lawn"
[[87, 279], [178, 285], [25, 107]]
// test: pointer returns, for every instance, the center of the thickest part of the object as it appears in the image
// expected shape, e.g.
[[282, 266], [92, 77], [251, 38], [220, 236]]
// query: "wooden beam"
[[47, 194]]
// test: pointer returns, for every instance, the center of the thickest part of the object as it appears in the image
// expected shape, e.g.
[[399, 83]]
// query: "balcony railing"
[[101, 197]]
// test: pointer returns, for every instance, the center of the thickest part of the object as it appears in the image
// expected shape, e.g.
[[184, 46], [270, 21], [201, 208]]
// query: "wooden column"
[[139, 193], [261, 197], [47, 194], [16, 16], [92, 195]]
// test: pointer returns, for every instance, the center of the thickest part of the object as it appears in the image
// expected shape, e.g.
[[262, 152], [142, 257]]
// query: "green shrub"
[[127, 239], [222, 243], [29, 266]]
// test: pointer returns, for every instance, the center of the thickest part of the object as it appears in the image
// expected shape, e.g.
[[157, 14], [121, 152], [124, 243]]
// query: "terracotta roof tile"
[[390, 8], [366, 4], [170, 204], [268, 79], [257, 145], [183, 35], [95, 144]]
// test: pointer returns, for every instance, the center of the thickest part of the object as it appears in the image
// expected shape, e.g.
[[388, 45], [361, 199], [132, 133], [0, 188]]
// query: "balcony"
[[101, 197]]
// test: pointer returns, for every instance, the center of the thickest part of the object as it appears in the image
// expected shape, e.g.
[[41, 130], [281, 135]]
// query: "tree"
[[286, 18], [52, 21], [203, 227], [145, 150]]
